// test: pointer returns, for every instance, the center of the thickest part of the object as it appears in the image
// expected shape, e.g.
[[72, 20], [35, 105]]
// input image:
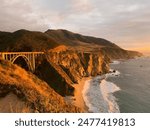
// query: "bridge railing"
[[21, 53]]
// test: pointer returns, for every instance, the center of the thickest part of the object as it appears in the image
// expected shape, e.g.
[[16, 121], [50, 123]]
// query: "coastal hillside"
[[90, 44], [68, 57], [74, 39], [62, 67], [24, 40], [22, 91]]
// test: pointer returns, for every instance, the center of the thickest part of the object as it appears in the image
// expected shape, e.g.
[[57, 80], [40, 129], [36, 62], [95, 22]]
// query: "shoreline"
[[77, 100], [78, 95], [103, 99], [104, 91]]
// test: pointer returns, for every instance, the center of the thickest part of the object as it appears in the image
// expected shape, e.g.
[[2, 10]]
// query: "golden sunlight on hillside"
[[28, 91]]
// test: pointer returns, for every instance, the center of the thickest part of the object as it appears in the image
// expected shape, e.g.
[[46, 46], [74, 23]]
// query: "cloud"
[[82, 6], [16, 14], [125, 22]]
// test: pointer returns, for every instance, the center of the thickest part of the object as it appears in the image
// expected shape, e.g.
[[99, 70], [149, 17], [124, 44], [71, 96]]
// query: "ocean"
[[125, 89]]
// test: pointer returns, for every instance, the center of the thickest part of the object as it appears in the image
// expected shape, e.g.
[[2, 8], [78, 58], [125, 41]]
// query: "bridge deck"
[[21, 52]]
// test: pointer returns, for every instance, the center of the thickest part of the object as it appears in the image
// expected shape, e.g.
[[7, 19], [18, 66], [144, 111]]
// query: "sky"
[[124, 22]]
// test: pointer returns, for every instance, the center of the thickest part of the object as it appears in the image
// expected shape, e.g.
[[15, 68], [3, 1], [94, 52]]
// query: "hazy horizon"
[[123, 22]]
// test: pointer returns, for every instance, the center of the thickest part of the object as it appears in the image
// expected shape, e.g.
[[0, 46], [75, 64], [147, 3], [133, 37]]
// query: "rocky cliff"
[[79, 64], [68, 56]]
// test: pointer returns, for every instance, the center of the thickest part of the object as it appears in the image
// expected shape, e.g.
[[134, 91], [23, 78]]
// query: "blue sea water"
[[127, 90], [134, 84]]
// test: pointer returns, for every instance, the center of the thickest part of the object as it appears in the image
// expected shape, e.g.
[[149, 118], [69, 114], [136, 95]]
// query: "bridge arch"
[[23, 60], [28, 57]]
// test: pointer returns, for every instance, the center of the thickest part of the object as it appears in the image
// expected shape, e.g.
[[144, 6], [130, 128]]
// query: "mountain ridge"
[[24, 40]]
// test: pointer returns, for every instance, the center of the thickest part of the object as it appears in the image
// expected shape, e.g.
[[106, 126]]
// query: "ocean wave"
[[107, 89], [112, 73], [115, 62], [98, 94]]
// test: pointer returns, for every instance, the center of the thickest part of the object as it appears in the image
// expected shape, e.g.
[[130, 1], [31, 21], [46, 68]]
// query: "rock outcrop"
[[79, 64]]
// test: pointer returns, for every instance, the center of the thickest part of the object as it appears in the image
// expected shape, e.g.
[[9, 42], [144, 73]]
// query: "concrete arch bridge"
[[29, 58]]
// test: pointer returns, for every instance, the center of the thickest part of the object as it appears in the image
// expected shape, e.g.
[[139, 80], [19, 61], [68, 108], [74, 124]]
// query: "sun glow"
[[145, 50]]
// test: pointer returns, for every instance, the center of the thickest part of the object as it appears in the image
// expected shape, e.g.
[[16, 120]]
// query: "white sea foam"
[[112, 73], [107, 89], [115, 62], [98, 94]]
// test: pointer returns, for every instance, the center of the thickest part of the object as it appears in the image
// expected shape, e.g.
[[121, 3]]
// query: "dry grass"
[[35, 93], [17, 109]]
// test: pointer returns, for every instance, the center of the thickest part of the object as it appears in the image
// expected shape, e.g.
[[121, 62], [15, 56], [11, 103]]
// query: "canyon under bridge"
[[24, 59]]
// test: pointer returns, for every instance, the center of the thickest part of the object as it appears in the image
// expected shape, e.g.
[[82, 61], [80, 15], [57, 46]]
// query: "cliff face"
[[55, 77], [61, 68], [78, 65]]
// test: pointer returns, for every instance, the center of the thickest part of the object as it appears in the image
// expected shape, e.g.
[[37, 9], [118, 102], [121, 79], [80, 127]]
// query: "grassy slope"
[[31, 90], [69, 38], [23, 40]]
